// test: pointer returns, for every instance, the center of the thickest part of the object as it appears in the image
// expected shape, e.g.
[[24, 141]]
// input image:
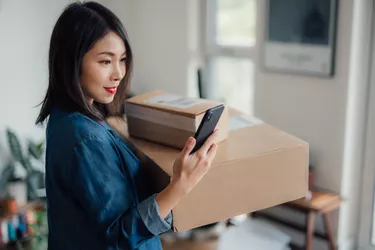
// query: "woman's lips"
[[111, 90]]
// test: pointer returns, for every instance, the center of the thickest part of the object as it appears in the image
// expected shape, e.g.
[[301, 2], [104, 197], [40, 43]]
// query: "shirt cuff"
[[149, 212]]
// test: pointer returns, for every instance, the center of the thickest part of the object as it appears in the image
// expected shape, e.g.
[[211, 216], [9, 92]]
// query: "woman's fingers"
[[208, 143], [211, 153], [189, 146]]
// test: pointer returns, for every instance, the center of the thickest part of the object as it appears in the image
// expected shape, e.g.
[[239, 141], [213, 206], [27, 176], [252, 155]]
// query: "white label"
[[242, 121], [175, 101]]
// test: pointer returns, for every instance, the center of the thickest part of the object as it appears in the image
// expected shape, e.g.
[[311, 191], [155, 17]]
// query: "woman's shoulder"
[[74, 127]]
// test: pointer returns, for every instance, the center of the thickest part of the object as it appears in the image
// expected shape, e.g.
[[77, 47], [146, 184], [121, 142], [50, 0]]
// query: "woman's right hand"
[[189, 168]]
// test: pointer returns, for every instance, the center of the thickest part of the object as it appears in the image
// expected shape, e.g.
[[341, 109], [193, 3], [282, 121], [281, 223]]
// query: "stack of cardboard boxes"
[[257, 165]]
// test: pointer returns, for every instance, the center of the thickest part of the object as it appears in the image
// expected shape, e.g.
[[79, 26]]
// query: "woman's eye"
[[123, 59], [106, 62]]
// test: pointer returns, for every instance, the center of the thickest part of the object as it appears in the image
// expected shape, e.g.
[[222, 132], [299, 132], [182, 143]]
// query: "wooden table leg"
[[329, 231], [310, 222]]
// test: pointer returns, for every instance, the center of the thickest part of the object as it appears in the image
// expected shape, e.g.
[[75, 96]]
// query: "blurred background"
[[304, 66]]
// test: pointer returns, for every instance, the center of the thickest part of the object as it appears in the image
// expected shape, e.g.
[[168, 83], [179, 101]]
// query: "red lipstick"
[[111, 90]]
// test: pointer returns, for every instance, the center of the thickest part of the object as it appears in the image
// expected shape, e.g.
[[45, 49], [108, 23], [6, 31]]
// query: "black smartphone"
[[207, 125]]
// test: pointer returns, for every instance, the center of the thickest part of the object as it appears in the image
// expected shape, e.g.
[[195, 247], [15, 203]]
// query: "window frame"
[[210, 49]]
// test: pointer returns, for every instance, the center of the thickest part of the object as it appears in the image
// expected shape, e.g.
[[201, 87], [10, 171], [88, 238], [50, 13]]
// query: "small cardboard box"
[[169, 119], [257, 167]]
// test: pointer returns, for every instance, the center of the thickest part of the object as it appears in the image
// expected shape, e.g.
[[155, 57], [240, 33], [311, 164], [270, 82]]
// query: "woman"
[[94, 199]]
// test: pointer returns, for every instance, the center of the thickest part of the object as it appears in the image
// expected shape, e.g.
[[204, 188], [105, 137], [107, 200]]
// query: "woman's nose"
[[118, 73]]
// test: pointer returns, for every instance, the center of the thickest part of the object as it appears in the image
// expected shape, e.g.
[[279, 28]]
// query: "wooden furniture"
[[320, 203]]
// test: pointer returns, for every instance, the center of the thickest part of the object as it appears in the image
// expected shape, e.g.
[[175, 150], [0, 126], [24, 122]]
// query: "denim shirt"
[[94, 186]]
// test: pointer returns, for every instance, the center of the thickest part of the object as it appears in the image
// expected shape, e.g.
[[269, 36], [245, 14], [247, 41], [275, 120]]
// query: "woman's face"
[[103, 67]]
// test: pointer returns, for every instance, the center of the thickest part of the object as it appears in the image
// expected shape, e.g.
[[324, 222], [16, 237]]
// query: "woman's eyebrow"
[[110, 53], [107, 53]]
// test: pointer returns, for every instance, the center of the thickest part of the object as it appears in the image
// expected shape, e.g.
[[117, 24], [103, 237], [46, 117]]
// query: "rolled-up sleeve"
[[149, 212], [106, 195]]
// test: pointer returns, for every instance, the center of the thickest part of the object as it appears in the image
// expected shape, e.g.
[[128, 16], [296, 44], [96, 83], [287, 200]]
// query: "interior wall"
[[25, 28], [164, 38]]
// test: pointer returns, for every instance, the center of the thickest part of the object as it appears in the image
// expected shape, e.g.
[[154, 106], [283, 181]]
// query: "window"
[[229, 43]]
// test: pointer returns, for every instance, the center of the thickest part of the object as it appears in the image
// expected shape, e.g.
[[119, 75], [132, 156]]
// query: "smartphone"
[[207, 125]]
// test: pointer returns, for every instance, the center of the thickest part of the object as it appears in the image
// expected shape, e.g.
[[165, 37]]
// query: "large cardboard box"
[[257, 167], [169, 119]]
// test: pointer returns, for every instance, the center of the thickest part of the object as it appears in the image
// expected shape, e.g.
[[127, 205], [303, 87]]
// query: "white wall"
[[25, 28], [164, 38]]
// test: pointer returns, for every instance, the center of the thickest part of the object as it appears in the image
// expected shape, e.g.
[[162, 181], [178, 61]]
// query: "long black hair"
[[76, 31]]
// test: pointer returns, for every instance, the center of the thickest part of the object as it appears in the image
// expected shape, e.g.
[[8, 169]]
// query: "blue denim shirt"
[[95, 191]]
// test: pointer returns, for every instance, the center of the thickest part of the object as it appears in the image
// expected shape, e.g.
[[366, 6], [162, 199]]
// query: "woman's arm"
[[107, 198], [168, 198]]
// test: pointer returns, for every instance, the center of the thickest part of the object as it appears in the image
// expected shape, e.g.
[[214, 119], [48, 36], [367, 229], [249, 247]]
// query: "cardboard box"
[[169, 119], [257, 167]]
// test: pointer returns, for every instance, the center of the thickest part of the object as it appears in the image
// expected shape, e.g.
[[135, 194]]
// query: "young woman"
[[94, 199]]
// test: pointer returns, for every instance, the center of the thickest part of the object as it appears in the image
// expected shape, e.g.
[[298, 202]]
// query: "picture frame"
[[300, 37]]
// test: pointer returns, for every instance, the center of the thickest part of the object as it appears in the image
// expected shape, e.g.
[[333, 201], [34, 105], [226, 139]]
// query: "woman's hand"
[[188, 170]]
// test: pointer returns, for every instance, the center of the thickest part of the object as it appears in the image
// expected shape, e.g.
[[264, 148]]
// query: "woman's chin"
[[105, 100]]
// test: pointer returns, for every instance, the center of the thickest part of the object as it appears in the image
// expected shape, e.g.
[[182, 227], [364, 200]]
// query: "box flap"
[[172, 103]]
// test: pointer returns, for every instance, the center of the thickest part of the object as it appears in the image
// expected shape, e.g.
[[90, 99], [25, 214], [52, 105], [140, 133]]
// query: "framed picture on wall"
[[301, 36]]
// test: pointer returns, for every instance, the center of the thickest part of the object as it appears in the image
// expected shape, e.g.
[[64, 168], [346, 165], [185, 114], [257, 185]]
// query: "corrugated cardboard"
[[169, 119], [258, 166]]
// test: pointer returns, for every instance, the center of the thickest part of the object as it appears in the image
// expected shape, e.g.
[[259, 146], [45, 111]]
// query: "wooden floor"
[[191, 245], [203, 245]]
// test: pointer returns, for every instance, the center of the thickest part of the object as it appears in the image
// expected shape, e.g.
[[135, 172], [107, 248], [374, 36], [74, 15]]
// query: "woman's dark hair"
[[76, 31]]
